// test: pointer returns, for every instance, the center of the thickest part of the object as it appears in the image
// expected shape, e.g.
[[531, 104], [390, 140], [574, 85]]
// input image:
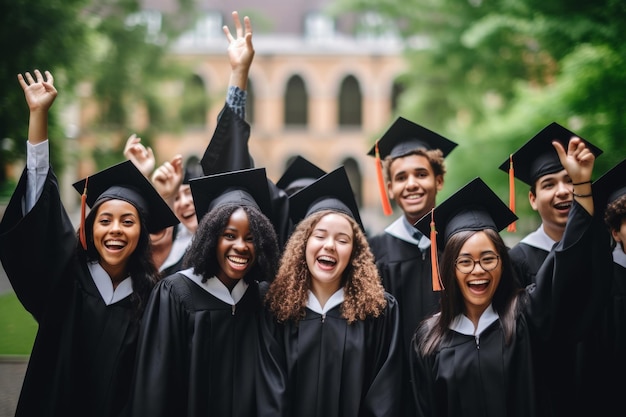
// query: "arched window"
[[296, 102], [195, 102], [356, 179], [350, 103]]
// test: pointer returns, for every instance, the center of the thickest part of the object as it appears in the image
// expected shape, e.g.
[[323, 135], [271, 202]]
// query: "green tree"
[[35, 34], [111, 44], [494, 73]]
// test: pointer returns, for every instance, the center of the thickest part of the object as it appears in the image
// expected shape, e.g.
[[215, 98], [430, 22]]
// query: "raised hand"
[[39, 93], [168, 177], [578, 160], [240, 50], [142, 157]]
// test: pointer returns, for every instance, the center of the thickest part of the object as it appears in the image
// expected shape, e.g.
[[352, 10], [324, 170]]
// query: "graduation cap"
[[330, 192], [610, 186], [193, 169], [299, 174], [125, 182], [402, 138], [473, 207], [537, 158], [246, 187]]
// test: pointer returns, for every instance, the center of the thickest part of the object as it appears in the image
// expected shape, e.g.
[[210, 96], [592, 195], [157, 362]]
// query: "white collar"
[[619, 257], [539, 239], [216, 288], [179, 247], [398, 229], [105, 285], [461, 324], [334, 300]]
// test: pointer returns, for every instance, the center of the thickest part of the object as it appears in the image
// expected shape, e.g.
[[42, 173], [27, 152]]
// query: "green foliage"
[[108, 44], [17, 327], [34, 34], [494, 73]]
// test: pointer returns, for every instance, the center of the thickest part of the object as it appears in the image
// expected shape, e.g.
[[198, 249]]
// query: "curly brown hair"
[[363, 292], [615, 213], [434, 156]]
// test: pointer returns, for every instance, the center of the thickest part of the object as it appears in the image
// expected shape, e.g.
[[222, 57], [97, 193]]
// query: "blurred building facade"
[[319, 86]]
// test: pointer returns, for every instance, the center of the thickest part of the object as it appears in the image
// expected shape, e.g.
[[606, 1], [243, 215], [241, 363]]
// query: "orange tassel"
[[434, 258], [83, 204], [382, 189], [512, 227]]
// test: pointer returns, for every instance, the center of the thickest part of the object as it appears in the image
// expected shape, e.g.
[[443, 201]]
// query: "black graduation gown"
[[197, 354], [228, 151], [406, 274], [324, 367], [526, 260], [82, 359], [604, 364], [465, 377], [561, 365]]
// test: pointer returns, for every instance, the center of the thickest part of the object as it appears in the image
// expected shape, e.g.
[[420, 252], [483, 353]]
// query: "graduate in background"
[[86, 290], [330, 341], [413, 160], [299, 174], [537, 164], [198, 344], [476, 356]]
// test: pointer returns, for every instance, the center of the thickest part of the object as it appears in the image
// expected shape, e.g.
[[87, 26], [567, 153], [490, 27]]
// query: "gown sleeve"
[[160, 382], [422, 383], [384, 394], [36, 248], [272, 381], [228, 148], [573, 282]]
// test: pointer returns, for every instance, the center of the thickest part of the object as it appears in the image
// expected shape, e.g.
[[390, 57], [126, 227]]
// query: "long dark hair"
[[434, 329], [143, 273], [202, 253]]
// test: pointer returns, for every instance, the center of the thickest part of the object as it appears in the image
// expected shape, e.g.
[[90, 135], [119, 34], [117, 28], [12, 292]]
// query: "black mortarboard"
[[610, 186], [473, 207], [330, 192], [247, 187], [537, 157], [299, 174], [405, 136], [193, 169], [125, 182]]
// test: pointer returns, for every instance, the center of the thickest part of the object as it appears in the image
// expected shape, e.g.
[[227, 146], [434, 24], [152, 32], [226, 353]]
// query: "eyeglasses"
[[466, 264]]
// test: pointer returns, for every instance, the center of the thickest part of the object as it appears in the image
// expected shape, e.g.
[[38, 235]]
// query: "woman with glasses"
[[475, 357]]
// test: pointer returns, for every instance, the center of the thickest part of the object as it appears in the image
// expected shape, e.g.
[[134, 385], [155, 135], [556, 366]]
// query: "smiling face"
[[185, 209], [552, 200], [235, 249], [328, 251], [479, 286], [116, 231], [413, 185]]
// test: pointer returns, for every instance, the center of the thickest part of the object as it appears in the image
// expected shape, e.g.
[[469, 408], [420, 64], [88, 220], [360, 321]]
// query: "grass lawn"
[[17, 327]]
